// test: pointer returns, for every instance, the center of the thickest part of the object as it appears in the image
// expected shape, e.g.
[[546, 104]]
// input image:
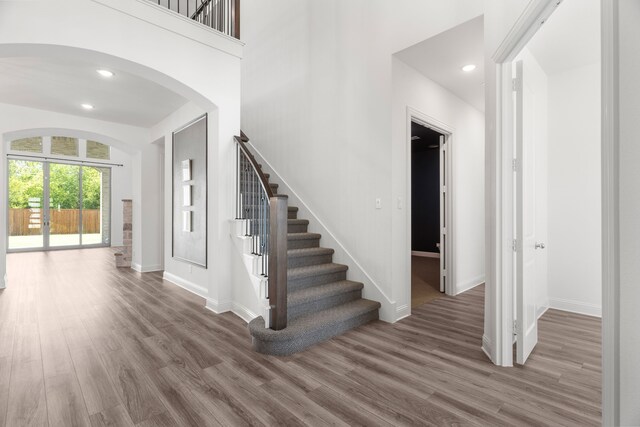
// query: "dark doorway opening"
[[427, 245]]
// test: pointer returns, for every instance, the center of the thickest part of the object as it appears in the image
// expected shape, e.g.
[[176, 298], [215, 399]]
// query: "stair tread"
[[298, 221], [292, 253], [315, 293], [313, 270], [292, 208], [313, 321], [303, 236]]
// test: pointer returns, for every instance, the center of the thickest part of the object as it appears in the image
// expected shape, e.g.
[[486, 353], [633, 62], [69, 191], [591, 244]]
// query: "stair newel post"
[[278, 261]]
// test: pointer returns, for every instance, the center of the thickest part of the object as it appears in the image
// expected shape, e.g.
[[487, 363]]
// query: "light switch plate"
[[378, 203]]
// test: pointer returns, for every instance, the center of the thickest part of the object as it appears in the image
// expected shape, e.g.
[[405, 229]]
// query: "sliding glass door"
[[57, 205], [26, 205], [64, 205]]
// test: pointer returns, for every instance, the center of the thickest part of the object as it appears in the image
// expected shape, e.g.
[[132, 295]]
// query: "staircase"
[[321, 302]]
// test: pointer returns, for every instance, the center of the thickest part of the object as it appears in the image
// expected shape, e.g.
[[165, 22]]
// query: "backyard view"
[[27, 214]]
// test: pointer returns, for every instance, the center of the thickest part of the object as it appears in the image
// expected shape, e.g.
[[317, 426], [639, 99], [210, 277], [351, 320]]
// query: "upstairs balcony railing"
[[221, 15], [265, 221]]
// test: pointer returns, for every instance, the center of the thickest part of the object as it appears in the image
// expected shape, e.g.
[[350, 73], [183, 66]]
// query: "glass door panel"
[[26, 200], [64, 205], [96, 210]]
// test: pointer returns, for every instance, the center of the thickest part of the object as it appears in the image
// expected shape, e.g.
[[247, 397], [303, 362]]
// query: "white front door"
[[526, 327]]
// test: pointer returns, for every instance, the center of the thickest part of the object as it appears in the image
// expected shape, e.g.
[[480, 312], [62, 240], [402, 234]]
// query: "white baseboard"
[[469, 284], [425, 254], [185, 284], [146, 269], [487, 348], [542, 310], [403, 311], [575, 307], [222, 307], [218, 307]]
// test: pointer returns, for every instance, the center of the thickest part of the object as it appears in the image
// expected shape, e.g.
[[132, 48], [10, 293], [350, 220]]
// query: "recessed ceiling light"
[[87, 106], [469, 68], [105, 73]]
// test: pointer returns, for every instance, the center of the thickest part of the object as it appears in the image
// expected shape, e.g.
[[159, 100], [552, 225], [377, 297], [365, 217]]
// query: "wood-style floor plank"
[[83, 343]]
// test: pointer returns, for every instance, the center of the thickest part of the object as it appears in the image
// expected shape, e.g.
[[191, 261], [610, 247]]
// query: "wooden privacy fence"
[[28, 222]]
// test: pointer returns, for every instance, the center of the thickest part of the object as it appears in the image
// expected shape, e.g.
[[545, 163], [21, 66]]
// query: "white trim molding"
[[500, 259], [487, 348], [574, 306], [218, 307], [610, 215], [469, 284], [201, 291], [4, 282], [146, 269], [415, 115]]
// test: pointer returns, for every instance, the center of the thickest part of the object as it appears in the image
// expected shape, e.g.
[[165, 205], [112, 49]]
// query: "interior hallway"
[[82, 343]]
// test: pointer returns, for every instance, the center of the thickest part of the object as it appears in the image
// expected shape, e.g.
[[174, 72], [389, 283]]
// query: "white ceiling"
[[441, 58], [570, 38], [62, 85]]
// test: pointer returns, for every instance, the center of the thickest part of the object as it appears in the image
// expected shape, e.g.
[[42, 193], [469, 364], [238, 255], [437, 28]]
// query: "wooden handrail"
[[241, 141], [267, 225]]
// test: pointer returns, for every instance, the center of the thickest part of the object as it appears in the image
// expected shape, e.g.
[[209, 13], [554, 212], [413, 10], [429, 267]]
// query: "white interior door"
[[526, 327], [443, 216]]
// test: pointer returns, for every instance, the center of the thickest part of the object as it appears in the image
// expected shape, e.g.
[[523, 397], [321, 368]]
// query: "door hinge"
[[515, 327], [514, 245], [515, 84], [514, 165]]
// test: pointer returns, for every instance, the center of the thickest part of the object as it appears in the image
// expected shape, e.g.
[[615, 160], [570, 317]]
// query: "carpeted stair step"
[[309, 256], [297, 225], [274, 187], [293, 212], [313, 328], [317, 298], [303, 240], [313, 275]]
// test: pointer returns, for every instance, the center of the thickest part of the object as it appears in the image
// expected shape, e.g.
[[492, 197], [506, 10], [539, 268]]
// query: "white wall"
[[121, 188], [317, 89], [413, 90], [147, 209], [536, 86], [629, 213], [575, 240]]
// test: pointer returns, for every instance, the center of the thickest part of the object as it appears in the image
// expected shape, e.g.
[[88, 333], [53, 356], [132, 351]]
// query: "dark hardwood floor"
[[82, 343]]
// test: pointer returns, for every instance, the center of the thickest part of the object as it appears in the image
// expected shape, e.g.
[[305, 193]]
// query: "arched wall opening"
[[216, 94]]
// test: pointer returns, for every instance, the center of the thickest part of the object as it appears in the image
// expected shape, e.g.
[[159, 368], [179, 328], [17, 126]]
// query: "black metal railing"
[[265, 221], [221, 15]]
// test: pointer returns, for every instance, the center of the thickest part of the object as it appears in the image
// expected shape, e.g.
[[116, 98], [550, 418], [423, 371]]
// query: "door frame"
[[414, 115], [535, 13]]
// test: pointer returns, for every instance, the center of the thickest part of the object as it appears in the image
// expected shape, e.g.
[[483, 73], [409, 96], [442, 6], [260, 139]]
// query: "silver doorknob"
[[539, 245]]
